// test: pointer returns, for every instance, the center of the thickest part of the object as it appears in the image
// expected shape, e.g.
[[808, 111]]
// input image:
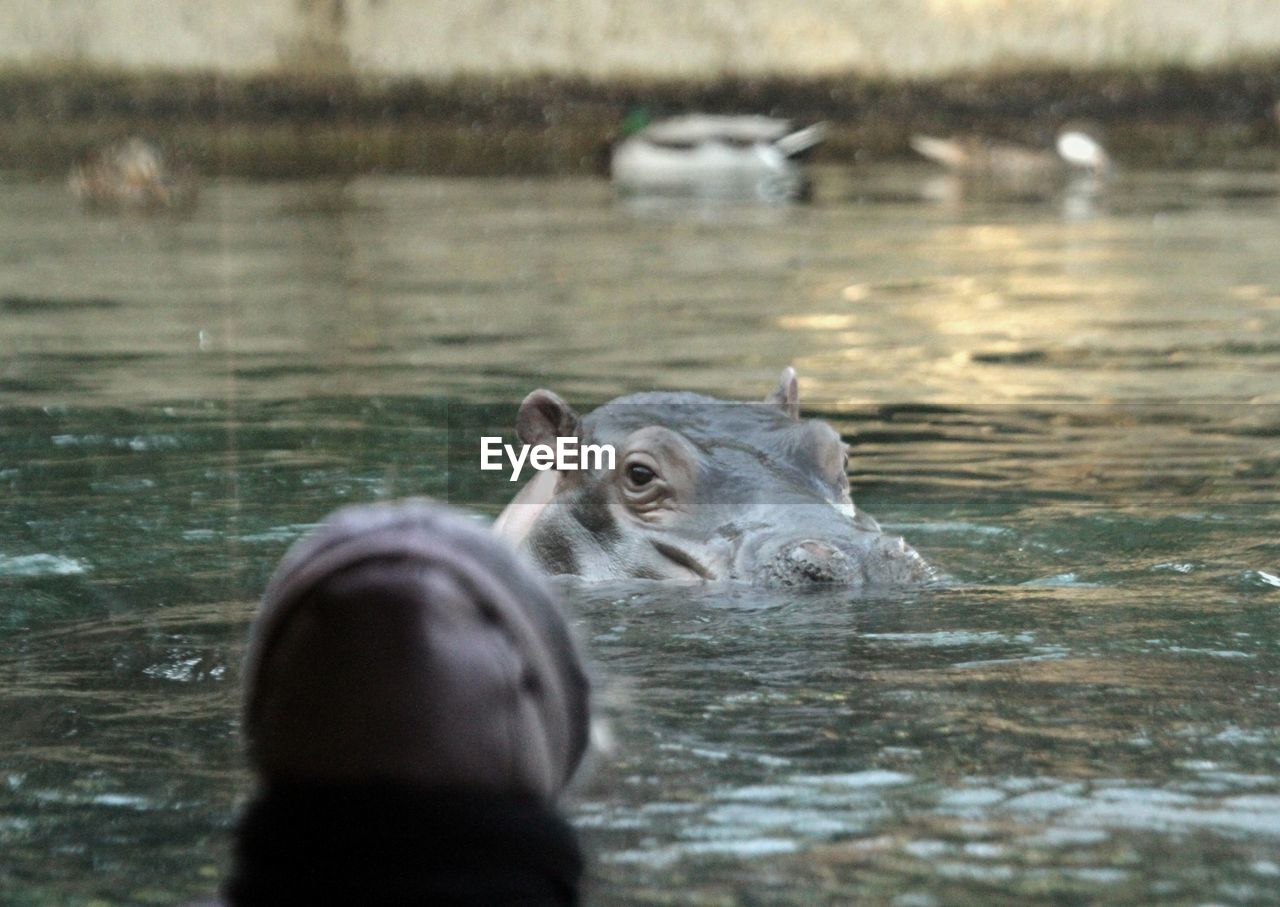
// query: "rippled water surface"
[[1068, 400]]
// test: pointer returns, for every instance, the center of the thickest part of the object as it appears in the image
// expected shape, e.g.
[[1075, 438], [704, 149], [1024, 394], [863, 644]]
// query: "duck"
[[714, 154], [132, 175], [1075, 152]]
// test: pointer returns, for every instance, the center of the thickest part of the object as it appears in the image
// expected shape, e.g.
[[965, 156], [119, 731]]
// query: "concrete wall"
[[628, 38]]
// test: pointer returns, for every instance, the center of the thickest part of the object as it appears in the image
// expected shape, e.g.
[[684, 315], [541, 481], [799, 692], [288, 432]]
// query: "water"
[[1069, 401]]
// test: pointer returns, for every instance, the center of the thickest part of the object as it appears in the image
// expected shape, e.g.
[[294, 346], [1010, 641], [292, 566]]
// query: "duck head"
[[1079, 149]]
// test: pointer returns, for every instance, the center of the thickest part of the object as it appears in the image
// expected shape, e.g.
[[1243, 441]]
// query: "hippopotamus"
[[701, 490]]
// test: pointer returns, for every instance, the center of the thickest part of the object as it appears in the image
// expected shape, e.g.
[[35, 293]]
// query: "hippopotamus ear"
[[543, 417], [787, 393]]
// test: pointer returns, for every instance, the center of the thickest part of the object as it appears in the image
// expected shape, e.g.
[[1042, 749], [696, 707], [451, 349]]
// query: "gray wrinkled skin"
[[702, 490]]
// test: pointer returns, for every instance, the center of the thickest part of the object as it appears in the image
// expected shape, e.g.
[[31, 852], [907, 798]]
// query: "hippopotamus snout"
[[856, 559], [807, 561]]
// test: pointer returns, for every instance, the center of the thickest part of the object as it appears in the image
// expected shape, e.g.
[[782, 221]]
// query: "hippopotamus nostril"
[[808, 561], [818, 561], [811, 551]]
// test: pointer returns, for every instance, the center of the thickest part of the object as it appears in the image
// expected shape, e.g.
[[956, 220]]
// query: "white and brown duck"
[[133, 175], [1075, 152]]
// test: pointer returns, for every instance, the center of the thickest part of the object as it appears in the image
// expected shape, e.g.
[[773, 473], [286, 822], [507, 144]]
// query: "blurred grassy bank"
[[274, 126]]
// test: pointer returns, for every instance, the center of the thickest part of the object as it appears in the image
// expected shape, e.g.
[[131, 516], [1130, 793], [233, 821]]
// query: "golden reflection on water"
[[1012, 308]]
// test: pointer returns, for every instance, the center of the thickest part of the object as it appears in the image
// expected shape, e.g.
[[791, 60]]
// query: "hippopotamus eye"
[[640, 475]]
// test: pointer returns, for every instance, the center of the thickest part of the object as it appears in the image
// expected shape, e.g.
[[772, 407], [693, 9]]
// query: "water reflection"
[[1075, 199], [1053, 739], [387, 285]]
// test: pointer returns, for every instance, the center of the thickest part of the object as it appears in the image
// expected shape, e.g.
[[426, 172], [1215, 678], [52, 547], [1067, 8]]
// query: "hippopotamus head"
[[700, 489]]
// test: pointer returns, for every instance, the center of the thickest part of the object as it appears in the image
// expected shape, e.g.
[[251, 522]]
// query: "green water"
[[1070, 401]]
